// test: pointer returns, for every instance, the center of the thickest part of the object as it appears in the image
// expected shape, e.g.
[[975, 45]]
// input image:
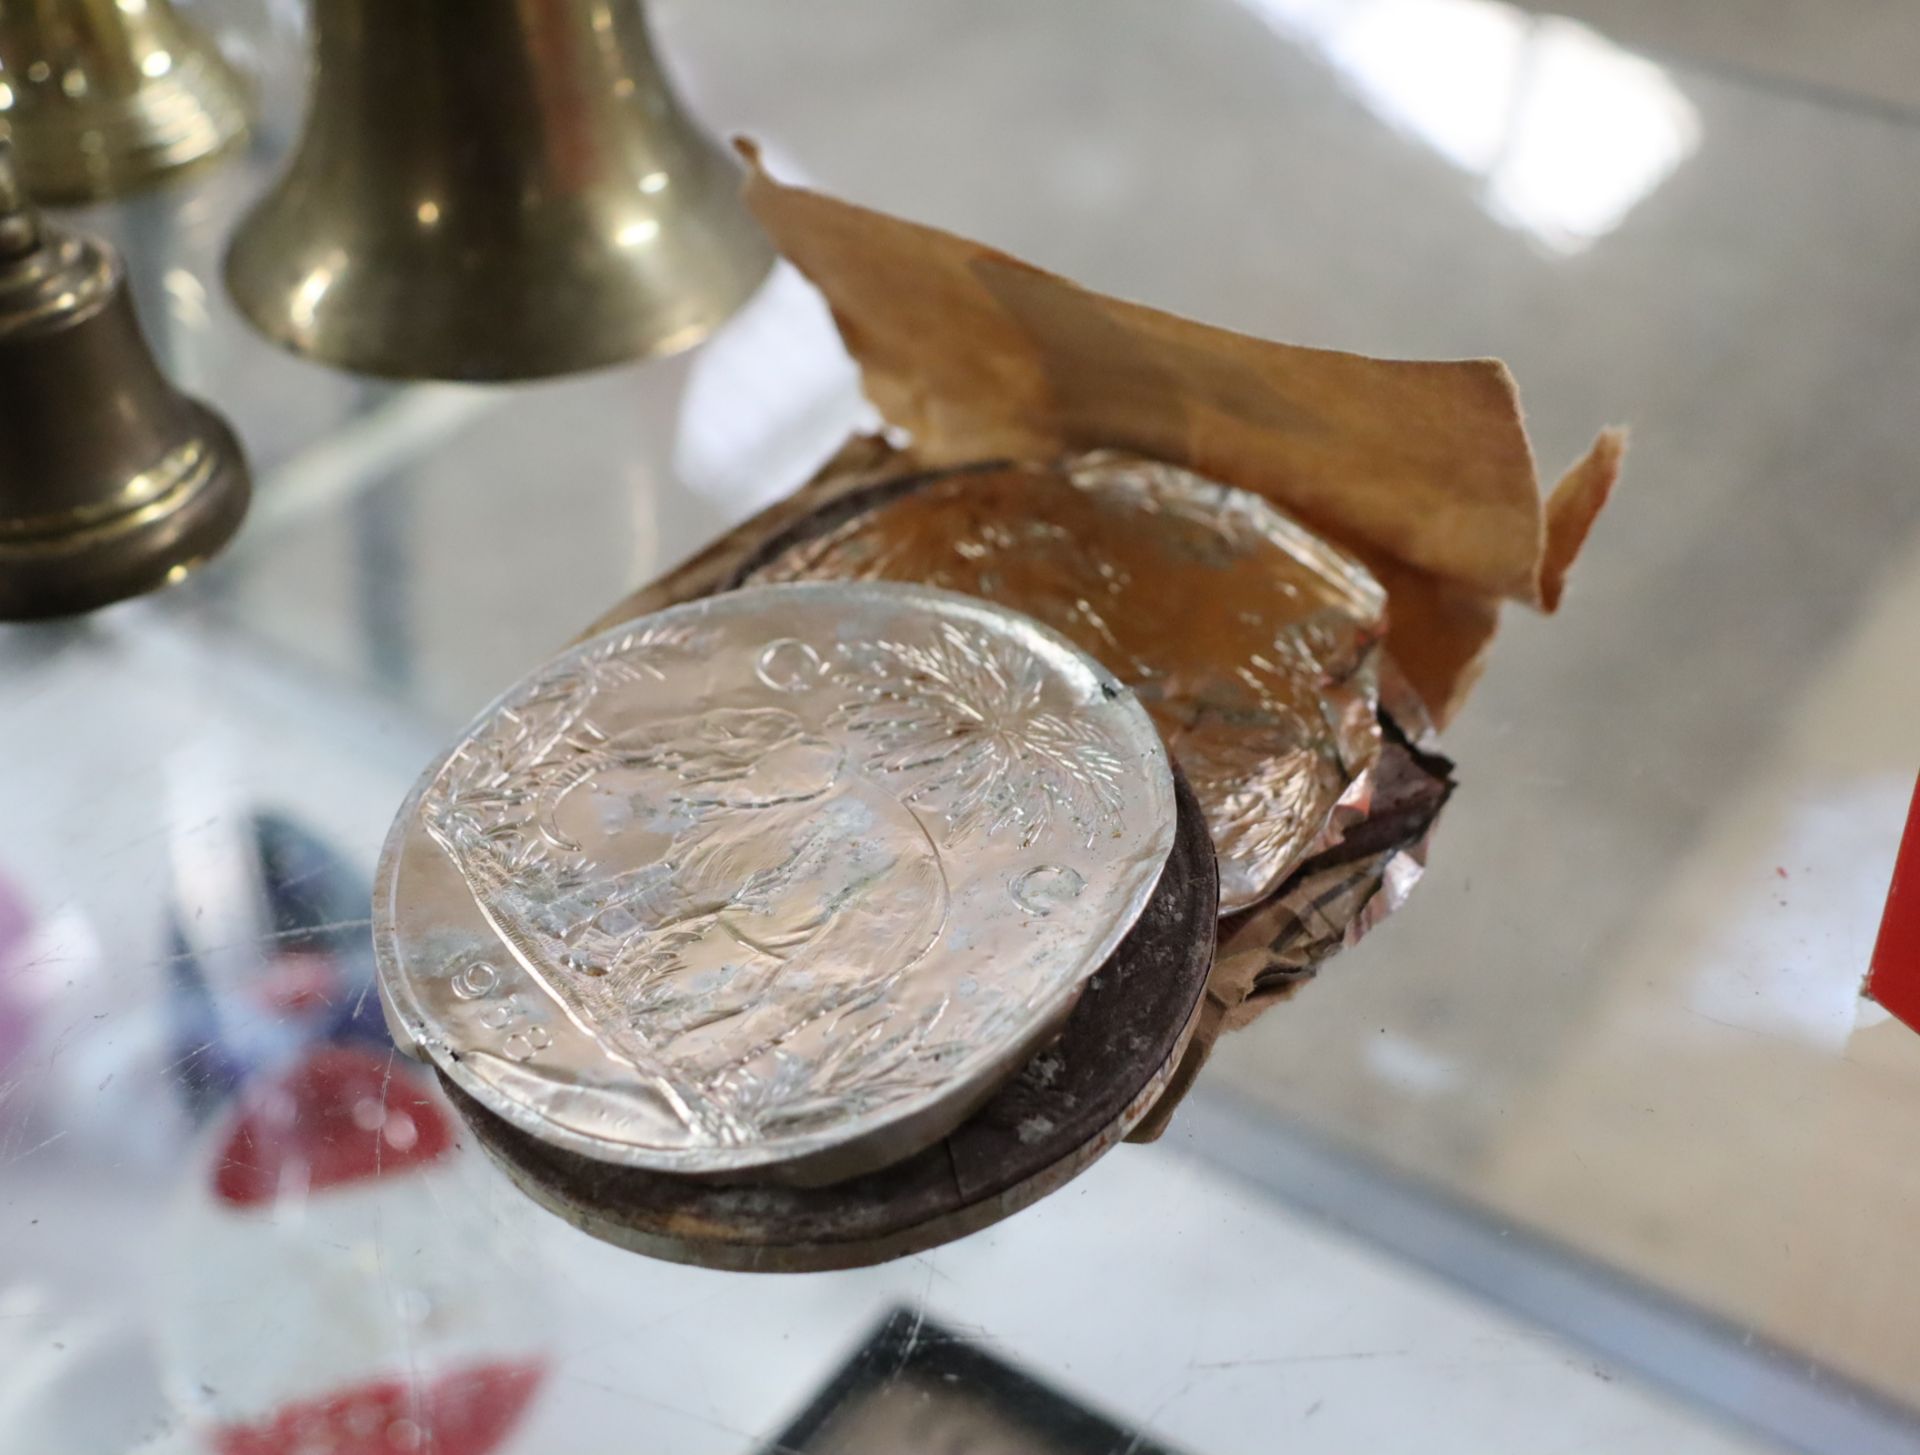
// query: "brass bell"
[[111, 481], [103, 96], [487, 189]]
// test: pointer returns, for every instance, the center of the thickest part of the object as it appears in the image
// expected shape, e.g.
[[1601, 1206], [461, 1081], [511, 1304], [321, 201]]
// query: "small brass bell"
[[104, 96], [487, 189], [111, 481]]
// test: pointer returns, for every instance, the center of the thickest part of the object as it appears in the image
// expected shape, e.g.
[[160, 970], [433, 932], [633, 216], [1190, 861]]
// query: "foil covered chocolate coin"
[[779, 884], [1250, 640]]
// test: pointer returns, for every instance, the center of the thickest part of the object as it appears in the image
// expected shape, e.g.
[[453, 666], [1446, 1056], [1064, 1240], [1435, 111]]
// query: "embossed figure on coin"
[[777, 885], [726, 898]]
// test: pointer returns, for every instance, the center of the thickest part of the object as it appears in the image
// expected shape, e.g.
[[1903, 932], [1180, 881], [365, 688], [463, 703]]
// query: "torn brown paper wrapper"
[[1421, 469]]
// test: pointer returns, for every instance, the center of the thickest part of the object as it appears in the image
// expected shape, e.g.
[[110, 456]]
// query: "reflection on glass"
[[1566, 132], [1766, 955], [320, 1293], [768, 397]]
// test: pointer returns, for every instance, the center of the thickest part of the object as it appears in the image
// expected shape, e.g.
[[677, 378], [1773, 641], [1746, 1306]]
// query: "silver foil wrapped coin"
[[780, 884], [1252, 641]]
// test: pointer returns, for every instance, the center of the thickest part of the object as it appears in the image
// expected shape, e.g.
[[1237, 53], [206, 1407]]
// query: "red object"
[[465, 1412], [1894, 980], [343, 1114]]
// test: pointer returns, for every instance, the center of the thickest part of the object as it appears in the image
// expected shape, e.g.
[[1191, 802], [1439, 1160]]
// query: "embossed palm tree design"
[[962, 719]]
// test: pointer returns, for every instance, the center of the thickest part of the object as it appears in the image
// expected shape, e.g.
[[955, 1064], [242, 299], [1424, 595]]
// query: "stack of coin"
[[771, 930], [743, 933]]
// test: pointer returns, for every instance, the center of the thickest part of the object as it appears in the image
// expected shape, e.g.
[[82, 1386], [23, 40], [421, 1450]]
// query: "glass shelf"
[[1593, 1141]]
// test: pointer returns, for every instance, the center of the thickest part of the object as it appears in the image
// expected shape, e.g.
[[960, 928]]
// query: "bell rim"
[[156, 544], [404, 361], [206, 115]]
